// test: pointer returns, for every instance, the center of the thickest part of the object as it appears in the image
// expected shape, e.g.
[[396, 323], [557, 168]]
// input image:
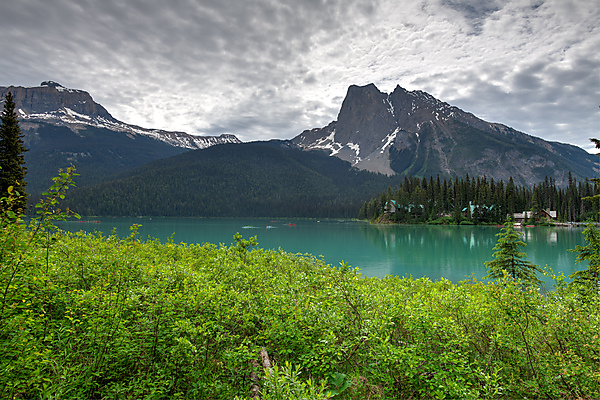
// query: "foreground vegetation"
[[95, 316]]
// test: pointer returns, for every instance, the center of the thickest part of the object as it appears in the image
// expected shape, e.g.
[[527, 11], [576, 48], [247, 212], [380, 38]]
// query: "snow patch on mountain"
[[74, 120], [327, 143], [76, 115], [390, 105], [389, 139], [349, 151], [356, 149]]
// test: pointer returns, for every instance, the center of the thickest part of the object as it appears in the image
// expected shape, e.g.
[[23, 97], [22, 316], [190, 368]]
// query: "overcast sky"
[[264, 69]]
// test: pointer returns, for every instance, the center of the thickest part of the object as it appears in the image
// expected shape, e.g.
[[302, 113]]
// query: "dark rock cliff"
[[51, 97]]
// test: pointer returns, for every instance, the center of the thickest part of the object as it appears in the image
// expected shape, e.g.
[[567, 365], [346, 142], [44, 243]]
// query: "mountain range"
[[413, 133], [53, 103], [376, 140]]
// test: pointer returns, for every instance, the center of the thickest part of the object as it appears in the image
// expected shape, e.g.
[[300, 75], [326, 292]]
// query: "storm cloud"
[[263, 69]]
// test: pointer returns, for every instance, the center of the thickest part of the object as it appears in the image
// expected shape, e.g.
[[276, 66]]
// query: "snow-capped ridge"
[[53, 103]]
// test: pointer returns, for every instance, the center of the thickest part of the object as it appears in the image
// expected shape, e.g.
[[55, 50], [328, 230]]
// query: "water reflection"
[[456, 252], [452, 252]]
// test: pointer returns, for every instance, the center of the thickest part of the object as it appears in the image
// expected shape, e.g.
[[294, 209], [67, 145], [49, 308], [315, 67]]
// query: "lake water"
[[452, 252]]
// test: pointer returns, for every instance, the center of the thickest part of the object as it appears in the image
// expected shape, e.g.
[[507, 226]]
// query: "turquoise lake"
[[452, 252]]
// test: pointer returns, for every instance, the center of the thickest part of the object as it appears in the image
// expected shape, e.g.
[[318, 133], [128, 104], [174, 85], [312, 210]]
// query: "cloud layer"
[[265, 69]]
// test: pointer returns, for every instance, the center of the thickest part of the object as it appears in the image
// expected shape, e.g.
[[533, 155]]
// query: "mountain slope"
[[412, 133], [97, 153], [64, 126], [250, 179]]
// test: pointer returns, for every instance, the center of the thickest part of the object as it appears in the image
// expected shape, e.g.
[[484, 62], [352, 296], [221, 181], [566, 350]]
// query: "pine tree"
[[12, 160], [510, 197], [509, 258], [589, 253], [594, 198]]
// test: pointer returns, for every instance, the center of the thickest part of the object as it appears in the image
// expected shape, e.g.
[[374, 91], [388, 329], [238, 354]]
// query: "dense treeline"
[[481, 200]]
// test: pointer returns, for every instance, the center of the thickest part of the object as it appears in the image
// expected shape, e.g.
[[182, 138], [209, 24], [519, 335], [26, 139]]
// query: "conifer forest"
[[481, 200]]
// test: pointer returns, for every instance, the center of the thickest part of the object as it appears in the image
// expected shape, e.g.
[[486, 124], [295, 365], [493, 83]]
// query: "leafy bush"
[[285, 383]]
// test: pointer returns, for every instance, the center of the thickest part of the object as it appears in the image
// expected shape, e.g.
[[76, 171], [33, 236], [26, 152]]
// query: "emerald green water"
[[452, 252]]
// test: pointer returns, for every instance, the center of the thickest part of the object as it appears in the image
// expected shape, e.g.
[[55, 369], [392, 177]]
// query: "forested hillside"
[[251, 180], [481, 200], [96, 152], [270, 179]]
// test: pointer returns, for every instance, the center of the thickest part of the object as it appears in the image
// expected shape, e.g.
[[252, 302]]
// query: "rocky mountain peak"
[[414, 133], [366, 127], [365, 119], [51, 100]]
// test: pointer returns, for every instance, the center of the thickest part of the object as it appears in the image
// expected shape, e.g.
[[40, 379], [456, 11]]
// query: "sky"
[[270, 69]]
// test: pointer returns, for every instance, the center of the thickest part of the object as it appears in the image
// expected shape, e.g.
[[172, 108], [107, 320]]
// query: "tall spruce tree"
[[594, 198], [591, 251], [12, 159], [508, 257]]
